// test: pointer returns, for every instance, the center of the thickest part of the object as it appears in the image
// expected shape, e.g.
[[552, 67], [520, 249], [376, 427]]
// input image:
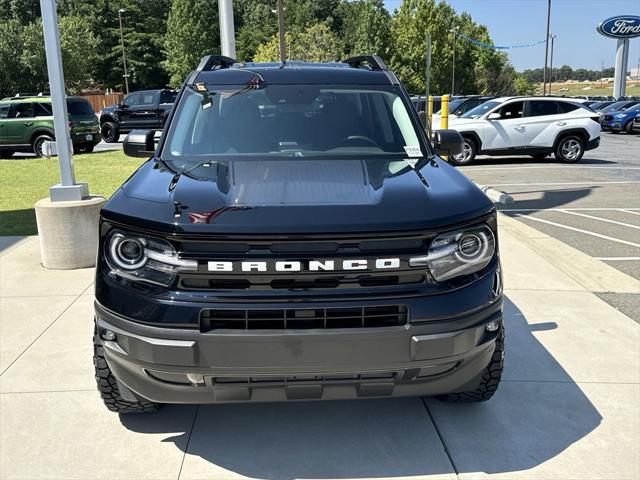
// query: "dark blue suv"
[[622, 118], [294, 236]]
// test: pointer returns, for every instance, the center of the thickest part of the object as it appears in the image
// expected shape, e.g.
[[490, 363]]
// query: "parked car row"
[[619, 116], [26, 122]]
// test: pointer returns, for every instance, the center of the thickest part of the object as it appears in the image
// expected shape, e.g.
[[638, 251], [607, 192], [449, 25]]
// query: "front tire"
[[110, 132], [38, 142], [108, 387], [629, 127], [468, 155], [570, 149], [490, 378]]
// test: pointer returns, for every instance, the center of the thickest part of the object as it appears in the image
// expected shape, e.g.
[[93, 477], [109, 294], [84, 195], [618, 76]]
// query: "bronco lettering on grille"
[[311, 265]]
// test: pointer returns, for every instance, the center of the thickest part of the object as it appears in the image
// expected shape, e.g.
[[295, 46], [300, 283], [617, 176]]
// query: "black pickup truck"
[[146, 109]]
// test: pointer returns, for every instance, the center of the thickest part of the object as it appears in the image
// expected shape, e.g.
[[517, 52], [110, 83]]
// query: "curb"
[[496, 196], [594, 275]]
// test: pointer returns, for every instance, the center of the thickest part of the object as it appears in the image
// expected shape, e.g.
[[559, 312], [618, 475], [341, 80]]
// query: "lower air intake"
[[303, 318]]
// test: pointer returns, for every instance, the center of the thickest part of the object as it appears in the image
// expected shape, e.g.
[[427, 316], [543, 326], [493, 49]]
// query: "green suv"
[[26, 122]]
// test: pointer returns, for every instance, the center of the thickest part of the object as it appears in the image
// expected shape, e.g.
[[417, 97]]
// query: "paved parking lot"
[[567, 408], [593, 205]]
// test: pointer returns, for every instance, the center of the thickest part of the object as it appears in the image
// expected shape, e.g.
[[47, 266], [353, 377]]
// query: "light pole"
[[546, 51], [453, 31], [227, 28], [124, 56], [281, 37], [552, 36]]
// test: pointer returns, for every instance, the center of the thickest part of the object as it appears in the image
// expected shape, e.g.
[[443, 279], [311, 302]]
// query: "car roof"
[[34, 99], [546, 97], [296, 73]]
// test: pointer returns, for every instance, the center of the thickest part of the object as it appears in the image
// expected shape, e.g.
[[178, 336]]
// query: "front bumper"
[[595, 143], [183, 365]]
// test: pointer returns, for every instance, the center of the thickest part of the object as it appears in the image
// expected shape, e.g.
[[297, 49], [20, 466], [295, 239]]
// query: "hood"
[[108, 109], [626, 113], [294, 196]]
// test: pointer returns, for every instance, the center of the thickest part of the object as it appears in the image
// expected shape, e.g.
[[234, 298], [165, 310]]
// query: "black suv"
[[294, 236]]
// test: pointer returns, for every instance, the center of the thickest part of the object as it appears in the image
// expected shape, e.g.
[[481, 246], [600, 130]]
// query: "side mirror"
[[447, 142], [494, 116], [139, 143]]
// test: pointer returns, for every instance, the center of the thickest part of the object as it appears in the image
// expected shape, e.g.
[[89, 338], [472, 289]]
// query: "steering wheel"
[[358, 140]]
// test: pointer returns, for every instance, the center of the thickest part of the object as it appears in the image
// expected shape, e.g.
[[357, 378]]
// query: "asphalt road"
[[593, 205]]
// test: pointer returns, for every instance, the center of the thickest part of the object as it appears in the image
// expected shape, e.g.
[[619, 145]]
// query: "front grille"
[[303, 318], [304, 250], [608, 118]]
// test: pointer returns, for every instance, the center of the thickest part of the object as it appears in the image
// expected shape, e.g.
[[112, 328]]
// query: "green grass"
[[595, 90], [27, 180]]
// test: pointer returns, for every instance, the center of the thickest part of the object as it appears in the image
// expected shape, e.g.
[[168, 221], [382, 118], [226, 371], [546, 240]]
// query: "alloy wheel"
[[571, 149]]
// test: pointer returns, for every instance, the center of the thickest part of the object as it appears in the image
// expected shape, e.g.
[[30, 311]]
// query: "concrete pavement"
[[568, 406], [593, 205]]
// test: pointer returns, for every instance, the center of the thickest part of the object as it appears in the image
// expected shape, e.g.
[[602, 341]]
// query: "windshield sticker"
[[413, 151], [412, 162]]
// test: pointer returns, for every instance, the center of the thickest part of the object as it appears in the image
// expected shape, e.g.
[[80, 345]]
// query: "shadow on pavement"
[[555, 198], [527, 160], [537, 413]]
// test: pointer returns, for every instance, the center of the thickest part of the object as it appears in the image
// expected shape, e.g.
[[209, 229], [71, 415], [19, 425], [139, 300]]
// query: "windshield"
[[614, 106], [481, 109], [453, 105], [79, 108], [257, 120]]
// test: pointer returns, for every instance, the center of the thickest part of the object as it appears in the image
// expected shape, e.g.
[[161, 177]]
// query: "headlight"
[[144, 259], [458, 253], [620, 115]]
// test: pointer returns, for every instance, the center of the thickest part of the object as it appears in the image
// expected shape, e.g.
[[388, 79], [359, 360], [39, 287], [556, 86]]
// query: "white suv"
[[536, 126]]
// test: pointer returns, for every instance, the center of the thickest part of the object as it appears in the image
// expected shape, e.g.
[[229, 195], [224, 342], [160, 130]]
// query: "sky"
[[578, 44]]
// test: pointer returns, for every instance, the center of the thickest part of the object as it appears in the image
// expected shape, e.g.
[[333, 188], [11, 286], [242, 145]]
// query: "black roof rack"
[[374, 61], [210, 62]]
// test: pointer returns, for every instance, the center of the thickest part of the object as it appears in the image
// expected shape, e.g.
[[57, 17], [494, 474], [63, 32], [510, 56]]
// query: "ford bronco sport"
[[294, 236], [26, 122]]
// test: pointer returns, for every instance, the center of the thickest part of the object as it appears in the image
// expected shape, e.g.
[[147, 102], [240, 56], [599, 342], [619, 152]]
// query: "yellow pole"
[[444, 112], [430, 113]]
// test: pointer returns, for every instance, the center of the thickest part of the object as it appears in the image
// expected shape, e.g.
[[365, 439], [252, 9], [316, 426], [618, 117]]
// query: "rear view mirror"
[[494, 116], [447, 142], [139, 143]]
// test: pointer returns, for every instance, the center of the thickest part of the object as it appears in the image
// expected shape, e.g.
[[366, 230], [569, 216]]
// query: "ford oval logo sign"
[[624, 26]]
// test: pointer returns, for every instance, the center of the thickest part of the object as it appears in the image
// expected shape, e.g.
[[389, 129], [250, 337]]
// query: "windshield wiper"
[[178, 174]]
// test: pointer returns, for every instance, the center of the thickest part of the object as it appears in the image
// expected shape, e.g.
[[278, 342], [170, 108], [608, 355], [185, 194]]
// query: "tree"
[[366, 28], [565, 73], [10, 50], [315, 44], [78, 46], [192, 32], [523, 86], [144, 27], [255, 24], [477, 69]]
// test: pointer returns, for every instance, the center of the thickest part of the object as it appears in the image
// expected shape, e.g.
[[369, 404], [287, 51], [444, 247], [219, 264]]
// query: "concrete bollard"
[[68, 232]]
